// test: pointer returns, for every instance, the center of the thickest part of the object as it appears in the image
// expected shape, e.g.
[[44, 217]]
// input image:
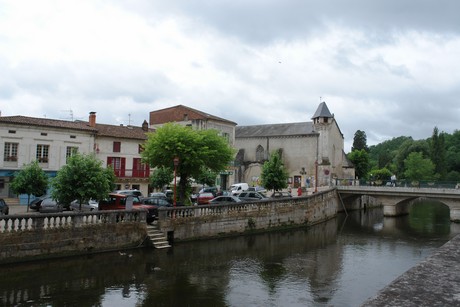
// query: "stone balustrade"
[[38, 221]]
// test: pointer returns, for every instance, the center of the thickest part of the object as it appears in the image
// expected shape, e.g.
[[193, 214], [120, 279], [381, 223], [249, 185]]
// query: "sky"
[[389, 68]]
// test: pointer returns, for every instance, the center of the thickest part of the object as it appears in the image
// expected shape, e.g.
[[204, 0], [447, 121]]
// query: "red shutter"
[[136, 167], [122, 167]]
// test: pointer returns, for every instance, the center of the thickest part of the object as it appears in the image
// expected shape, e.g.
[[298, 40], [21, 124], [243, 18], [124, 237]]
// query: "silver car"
[[91, 205], [49, 205]]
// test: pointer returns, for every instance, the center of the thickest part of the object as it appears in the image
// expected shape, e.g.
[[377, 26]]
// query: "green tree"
[[418, 168], [408, 147], [82, 178], [30, 180], [360, 159], [438, 153], [274, 175], [360, 141], [207, 177], [195, 149], [160, 177], [382, 174]]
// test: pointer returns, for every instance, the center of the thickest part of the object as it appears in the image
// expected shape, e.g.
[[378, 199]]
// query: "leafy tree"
[[360, 141], [418, 168], [408, 147], [207, 177], [383, 174], [82, 178], [360, 159], [160, 177], [274, 175], [196, 150], [384, 154], [438, 153], [30, 180]]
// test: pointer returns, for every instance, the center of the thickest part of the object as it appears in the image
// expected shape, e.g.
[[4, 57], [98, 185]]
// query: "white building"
[[51, 142]]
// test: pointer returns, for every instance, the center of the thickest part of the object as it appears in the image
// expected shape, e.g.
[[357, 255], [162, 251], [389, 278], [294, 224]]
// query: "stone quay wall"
[[198, 222], [40, 236]]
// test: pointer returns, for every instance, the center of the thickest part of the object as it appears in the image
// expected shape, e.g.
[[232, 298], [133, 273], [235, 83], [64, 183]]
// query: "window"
[[260, 153], [118, 164], [42, 153], [70, 151], [226, 136], [116, 146], [140, 169], [11, 152]]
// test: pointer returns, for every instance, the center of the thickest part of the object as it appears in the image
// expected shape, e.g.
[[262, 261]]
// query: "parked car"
[[130, 192], [221, 200], [257, 189], [155, 203], [204, 198], [117, 201], [49, 205], [4, 209], [90, 205], [237, 188], [213, 190], [35, 203], [280, 194], [251, 195]]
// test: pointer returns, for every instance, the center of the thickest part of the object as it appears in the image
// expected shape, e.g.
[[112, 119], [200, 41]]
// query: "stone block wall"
[[226, 220]]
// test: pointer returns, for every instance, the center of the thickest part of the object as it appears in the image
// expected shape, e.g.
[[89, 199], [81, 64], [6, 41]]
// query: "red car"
[[204, 198], [118, 202]]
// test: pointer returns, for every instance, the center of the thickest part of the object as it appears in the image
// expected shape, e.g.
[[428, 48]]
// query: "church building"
[[312, 152]]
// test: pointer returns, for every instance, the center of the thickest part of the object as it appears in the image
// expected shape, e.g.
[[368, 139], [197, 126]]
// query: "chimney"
[[145, 126], [92, 119]]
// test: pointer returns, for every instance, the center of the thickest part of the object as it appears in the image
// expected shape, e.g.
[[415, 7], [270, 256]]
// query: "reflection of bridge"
[[396, 200]]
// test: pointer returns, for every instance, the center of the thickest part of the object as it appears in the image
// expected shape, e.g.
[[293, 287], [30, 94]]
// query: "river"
[[338, 263]]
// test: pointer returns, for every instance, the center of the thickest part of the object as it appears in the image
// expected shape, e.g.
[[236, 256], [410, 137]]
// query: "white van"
[[237, 188]]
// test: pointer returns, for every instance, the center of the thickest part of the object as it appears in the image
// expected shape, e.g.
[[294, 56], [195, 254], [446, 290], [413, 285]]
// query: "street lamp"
[[176, 163]]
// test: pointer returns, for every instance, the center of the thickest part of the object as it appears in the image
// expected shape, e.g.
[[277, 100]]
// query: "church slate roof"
[[322, 111], [273, 130]]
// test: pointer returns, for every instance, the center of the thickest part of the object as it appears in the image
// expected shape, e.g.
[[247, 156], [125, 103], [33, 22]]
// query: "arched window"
[[260, 153]]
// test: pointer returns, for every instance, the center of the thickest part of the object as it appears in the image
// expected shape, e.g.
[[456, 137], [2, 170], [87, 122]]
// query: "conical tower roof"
[[322, 111]]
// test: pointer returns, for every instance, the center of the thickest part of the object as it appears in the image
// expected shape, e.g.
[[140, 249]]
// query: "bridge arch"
[[396, 200]]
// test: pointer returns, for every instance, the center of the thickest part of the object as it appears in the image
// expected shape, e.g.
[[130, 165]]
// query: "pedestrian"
[[393, 180], [299, 191]]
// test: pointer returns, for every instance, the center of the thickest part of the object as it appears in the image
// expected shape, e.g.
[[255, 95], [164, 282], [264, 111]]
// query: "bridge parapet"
[[395, 200]]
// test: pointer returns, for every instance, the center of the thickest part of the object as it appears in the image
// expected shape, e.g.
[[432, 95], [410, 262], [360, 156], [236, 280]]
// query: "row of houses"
[[311, 150]]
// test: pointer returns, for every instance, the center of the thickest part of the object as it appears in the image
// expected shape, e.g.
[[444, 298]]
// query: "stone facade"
[[310, 150]]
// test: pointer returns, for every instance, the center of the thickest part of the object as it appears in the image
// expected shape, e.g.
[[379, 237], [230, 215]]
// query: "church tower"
[[329, 144]]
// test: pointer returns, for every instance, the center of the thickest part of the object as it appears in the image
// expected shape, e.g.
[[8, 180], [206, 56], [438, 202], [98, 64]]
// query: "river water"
[[338, 263]]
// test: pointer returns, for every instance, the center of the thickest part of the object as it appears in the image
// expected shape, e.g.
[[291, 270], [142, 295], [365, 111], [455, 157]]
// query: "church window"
[[260, 153]]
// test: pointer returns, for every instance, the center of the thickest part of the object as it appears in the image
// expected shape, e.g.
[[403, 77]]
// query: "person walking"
[[299, 191]]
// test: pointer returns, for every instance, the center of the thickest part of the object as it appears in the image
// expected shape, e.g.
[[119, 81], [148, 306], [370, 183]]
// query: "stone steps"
[[157, 238], [12, 201]]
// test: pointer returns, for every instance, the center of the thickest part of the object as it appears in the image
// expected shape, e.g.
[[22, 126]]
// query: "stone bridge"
[[396, 200]]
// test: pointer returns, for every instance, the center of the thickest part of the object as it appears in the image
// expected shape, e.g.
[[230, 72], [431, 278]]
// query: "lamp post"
[[176, 163]]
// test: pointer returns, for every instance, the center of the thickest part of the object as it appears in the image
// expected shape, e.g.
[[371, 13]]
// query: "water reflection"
[[341, 263]]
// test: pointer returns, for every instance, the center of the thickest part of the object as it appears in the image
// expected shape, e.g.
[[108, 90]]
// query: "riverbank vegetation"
[[435, 158]]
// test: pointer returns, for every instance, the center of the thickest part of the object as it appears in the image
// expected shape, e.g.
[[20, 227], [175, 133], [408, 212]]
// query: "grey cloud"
[[264, 21]]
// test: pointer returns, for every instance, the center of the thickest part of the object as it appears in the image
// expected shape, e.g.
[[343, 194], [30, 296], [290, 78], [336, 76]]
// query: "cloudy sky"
[[388, 68]]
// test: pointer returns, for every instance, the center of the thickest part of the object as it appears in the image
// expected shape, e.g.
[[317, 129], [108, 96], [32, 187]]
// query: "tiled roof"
[[45, 122], [129, 132], [273, 130], [181, 113]]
